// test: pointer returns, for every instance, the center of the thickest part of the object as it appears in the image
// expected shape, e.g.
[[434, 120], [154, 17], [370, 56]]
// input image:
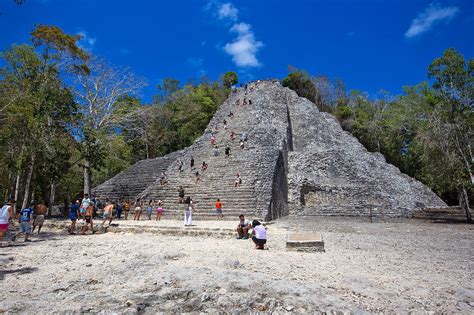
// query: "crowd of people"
[[87, 209]]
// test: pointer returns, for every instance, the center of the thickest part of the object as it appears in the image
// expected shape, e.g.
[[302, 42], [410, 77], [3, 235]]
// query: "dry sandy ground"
[[397, 266]]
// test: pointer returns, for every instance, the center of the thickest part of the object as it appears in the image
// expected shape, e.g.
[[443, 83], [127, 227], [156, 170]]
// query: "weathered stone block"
[[305, 242]]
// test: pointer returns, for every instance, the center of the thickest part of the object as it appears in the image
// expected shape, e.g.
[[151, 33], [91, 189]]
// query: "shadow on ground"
[[20, 271]]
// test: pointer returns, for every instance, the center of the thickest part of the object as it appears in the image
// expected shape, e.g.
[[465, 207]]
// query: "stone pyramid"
[[296, 161]]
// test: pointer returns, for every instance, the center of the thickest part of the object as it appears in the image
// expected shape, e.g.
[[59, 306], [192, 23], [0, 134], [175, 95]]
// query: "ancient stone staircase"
[[443, 214], [296, 161], [219, 178], [132, 181]]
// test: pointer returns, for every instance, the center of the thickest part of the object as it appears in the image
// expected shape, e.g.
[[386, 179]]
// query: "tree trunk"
[[464, 203], [17, 188], [52, 195], [87, 178], [7, 187], [28, 182]]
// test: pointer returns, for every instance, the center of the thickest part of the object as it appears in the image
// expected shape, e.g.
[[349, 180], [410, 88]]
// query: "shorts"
[[138, 209], [73, 217], [149, 211], [106, 215], [88, 219], [39, 220], [25, 227], [258, 241], [218, 211], [4, 227], [159, 210]]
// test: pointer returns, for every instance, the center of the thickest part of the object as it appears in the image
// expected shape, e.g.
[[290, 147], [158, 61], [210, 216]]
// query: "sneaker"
[[239, 237], [245, 237], [27, 240]]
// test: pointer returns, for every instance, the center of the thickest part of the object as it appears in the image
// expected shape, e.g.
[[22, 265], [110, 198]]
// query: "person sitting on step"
[[242, 145], [162, 178], [204, 166], [238, 180], [215, 152], [243, 228], [232, 136], [198, 176]]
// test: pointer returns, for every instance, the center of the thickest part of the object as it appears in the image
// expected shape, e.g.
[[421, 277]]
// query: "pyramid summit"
[[295, 160]]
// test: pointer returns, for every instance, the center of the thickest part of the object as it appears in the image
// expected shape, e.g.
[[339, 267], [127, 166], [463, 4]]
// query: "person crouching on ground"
[[260, 237], [243, 228]]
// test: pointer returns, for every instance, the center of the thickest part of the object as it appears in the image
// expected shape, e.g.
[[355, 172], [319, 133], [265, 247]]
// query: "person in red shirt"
[[219, 209]]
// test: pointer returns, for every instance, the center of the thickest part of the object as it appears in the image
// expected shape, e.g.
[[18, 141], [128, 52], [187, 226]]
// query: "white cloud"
[[195, 62], [426, 19], [228, 10], [87, 42], [245, 47]]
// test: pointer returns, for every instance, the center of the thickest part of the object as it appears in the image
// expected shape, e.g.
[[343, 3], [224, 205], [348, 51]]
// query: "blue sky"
[[370, 45]]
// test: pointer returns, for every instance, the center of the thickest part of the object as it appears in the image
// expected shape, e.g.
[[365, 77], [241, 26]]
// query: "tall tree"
[[99, 94]]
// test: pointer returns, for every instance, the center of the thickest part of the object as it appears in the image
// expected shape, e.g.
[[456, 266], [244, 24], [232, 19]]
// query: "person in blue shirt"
[[74, 215], [26, 218]]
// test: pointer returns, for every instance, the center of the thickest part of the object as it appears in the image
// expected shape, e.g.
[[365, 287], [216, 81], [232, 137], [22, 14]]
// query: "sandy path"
[[395, 266]]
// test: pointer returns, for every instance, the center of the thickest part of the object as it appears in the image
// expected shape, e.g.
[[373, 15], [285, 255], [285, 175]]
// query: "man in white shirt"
[[243, 228]]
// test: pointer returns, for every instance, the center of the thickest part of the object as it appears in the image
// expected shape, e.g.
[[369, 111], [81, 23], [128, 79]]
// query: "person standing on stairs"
[[219, 214], [149, 209], [225, 124], [118, 205], [227, 151], [126, 209], [213, 139], [138, 209], [181, 195], [159, 210], [188, 211], [192, 162], [215, 152]]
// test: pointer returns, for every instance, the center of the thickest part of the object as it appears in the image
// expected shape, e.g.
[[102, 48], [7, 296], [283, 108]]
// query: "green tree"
[[300, 82], [229, 78]]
